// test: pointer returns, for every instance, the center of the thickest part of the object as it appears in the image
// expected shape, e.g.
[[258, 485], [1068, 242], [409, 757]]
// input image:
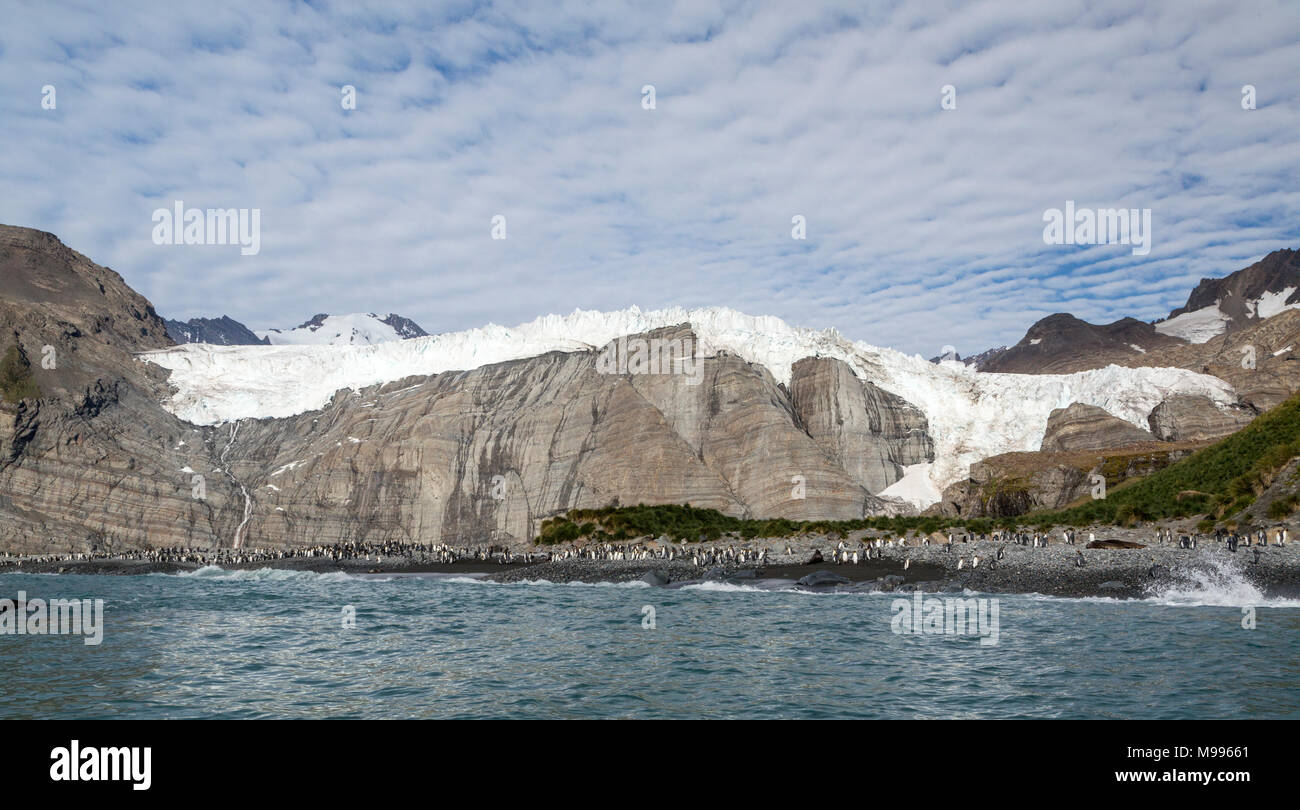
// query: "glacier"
[[972, 415]]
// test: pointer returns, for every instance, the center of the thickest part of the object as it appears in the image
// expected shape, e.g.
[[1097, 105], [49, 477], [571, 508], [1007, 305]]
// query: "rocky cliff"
[[1190, 418], [869, 432], [1273, 281], [489, 453], [90, 459], [1087, 427]]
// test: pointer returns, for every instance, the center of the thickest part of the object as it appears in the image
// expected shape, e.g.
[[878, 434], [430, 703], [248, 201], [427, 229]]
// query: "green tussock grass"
[[16, 380], [1216, 481], [691, 524]]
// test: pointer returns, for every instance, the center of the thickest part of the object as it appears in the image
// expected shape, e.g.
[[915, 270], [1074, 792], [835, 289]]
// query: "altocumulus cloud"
[[924, 226]]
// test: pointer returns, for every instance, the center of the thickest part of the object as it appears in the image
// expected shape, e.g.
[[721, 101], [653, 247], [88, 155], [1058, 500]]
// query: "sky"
[[924, 225]]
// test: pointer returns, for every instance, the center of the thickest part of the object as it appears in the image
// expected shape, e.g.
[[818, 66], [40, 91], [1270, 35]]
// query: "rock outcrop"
[[109, 470], [1087, 427], [869, 432], [1193, 418], [1016, 483]]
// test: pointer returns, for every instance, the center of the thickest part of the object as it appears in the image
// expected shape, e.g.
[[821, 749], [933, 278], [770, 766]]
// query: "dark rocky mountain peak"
[[223, 331]]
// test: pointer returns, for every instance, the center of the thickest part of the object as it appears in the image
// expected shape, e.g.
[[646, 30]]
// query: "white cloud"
[[924, 226]]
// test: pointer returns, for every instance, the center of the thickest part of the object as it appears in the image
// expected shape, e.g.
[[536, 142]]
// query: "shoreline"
[[1052, 570]]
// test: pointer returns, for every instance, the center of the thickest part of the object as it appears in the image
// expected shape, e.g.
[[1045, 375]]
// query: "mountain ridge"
[[223, 331], [345, 330], [481, 435], [1224, 305]]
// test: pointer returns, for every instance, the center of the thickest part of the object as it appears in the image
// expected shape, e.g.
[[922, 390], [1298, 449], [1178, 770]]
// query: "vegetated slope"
[[683, 522], [1218, 481]]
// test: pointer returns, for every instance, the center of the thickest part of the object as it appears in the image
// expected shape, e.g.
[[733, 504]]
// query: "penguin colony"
[[663, 549]]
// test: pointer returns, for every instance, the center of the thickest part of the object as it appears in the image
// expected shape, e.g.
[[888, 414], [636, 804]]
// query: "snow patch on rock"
[[1197, 326], [358, 329], [915, 487], [1272, 303]]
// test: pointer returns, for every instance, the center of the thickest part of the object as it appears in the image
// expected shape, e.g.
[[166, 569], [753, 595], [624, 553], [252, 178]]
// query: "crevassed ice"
[[972, 415]]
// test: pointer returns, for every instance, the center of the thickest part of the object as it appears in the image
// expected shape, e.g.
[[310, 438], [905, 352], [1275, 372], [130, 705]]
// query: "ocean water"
[[270, 644]]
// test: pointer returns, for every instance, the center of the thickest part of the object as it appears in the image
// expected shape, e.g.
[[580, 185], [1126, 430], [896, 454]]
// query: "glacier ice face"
[[972, 414]]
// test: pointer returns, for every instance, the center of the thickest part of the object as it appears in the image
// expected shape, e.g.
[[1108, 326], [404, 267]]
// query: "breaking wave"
[[1216, 583], [464, 580], [218, 574], [723, 587]]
